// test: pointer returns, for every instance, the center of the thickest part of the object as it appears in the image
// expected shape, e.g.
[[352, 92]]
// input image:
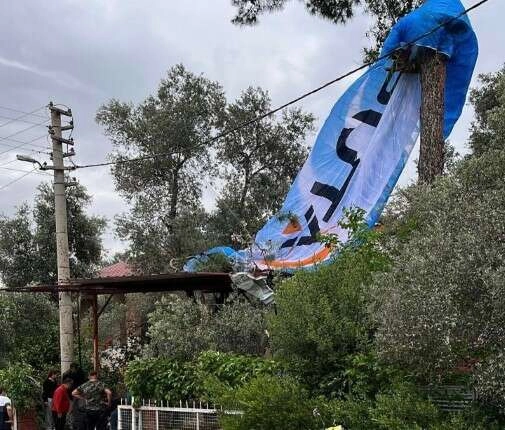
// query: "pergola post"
[[94, 312]]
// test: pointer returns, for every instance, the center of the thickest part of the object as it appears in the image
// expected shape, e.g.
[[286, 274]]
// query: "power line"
[[20, 117], [24, 171], [17, 119], [24, 112], [296, 100], [8, 184], [8, 162], [21, 144], [23, 130]]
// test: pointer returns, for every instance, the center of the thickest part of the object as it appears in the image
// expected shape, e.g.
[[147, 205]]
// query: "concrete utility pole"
[[432, 152], [60, 212]]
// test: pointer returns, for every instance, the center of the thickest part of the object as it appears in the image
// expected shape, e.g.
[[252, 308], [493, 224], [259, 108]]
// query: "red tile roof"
[[117, 270]]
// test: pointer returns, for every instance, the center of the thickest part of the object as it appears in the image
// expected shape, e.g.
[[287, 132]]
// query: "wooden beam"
[[94, 314]]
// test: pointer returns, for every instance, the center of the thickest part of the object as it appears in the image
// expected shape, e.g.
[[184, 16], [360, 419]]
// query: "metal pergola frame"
[[188, 283]]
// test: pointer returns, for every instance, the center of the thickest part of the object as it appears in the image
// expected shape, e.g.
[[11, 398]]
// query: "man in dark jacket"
[[48, 388], [76, 374]]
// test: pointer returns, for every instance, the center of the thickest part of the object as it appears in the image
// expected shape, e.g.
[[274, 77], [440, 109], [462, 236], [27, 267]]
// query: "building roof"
[[117, 270]]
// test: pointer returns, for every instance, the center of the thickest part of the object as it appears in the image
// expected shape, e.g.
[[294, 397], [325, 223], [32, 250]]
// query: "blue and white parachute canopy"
[[366, 141]]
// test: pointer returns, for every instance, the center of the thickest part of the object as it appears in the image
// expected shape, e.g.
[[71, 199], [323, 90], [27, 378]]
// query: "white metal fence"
[[194, 416]]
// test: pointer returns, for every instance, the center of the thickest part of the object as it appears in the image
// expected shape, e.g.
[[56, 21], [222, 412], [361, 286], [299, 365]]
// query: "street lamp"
[[31, 160]]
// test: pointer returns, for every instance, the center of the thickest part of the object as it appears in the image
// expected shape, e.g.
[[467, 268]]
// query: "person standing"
[[6, 412], [61, 405], [48, 388], [76, 374], [96, 399]]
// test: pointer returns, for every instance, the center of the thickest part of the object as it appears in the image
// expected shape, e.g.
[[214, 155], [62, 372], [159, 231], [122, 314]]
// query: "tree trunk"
[[245, 189], [174, 198], [431, 157]]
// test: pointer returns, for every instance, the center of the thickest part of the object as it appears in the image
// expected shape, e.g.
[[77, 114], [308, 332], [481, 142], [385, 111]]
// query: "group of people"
[[89, 402]]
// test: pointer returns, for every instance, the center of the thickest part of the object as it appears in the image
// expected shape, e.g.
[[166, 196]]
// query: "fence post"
[[157, 419], [197, 421], [134, 421], [119, 418]]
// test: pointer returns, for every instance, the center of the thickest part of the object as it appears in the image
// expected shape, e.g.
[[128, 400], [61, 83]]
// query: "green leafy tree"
[[168, 132], [442, 302], [262, 161], [182, 328], [178, 328], [385, 12], [19, 382], [488, 129], [28, 239], [29, 330], [322, 316]]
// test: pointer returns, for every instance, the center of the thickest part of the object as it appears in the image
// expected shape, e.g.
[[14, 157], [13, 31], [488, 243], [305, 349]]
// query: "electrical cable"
[[8, 162], [296, 100], [22, 131], [23, 112], [20, 118], [11, 169], [20, 144], [8, 184]]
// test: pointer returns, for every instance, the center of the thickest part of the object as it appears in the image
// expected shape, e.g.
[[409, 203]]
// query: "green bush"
[[234, 370], [20, 384], [25, 338], [323, 317], [269, 402], [180, 328], [161, 379], [404, 408], [211, 373]]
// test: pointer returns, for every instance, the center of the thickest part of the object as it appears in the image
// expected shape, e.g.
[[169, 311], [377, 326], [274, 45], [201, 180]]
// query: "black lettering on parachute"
[[347, 155]]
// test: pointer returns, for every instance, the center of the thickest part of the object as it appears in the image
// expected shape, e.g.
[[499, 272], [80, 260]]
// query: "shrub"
[[180, 328], [269, 402], [21, 386], [404, 408], [443, 302], [161, 379], [322, 316], [234, 370], [490, 377], [173, 380]]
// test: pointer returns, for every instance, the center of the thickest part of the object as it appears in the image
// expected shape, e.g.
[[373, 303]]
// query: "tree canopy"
[[260, 163], [168, 131], [28, 239], [169, 134], [488, 129], [385, 12], [441, 305]]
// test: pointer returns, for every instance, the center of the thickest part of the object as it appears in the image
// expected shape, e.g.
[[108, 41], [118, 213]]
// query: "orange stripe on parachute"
[[318, 257]]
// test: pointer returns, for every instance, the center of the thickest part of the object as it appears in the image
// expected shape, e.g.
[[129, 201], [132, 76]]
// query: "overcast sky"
[[82, 53]]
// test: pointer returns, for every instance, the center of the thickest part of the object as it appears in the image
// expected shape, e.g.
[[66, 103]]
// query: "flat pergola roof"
[[168, 282]]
